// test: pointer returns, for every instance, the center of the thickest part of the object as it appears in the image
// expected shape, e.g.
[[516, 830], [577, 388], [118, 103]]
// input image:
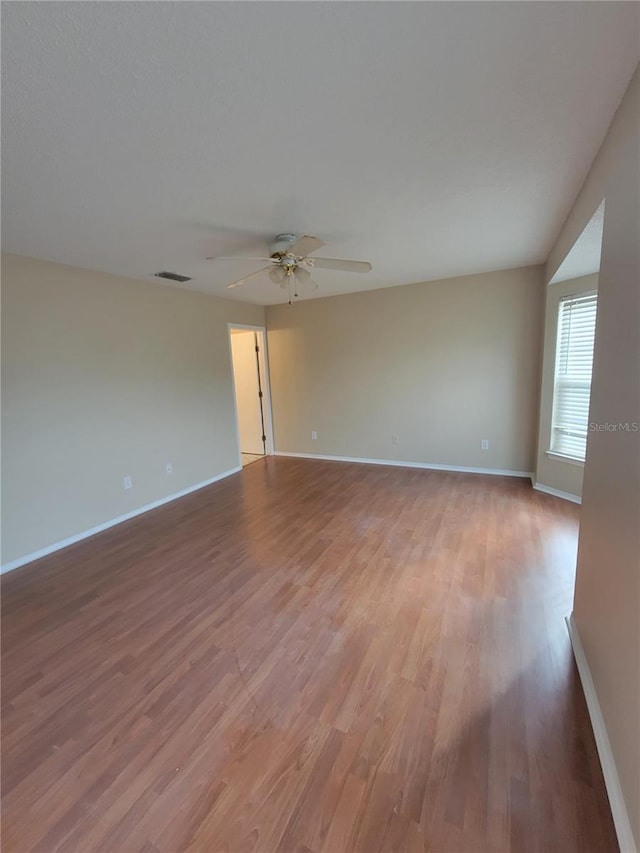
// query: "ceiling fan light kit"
[[289, 263]]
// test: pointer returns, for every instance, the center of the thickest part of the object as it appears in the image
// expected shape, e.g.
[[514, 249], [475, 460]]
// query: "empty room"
[[320, 427]]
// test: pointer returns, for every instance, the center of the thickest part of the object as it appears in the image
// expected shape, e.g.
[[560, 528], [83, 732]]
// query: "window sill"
[[562, 458]]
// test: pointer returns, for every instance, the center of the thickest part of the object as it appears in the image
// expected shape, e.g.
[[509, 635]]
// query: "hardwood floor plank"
[[307, 657]]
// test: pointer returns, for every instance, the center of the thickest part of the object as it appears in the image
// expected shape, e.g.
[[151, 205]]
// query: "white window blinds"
[[572, 384]]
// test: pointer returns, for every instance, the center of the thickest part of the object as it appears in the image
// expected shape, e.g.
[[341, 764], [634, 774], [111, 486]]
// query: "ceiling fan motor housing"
[[283, 243]]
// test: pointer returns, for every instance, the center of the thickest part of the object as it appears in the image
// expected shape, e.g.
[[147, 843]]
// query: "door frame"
[[266, 387]]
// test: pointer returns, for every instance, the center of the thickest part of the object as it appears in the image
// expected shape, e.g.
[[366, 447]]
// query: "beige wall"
[[607, 598], [105, 377], [442, 365], [551, 470]]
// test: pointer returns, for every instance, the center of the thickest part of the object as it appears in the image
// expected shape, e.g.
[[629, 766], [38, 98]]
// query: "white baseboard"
[[609, 770], [399, 463], [85, 534], [567, 496]]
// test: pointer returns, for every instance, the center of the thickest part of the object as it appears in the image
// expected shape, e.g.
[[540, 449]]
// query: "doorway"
[[251, 391]]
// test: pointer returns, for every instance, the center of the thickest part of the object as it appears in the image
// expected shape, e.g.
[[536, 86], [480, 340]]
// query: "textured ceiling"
[[432, 139]]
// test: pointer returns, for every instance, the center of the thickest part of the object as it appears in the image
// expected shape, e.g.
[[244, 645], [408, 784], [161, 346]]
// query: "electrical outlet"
[[484, 444], [127, 483], [169, 468], [314, 435], [395, 439]]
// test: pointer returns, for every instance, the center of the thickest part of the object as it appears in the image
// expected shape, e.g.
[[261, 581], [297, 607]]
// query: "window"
[[572, 381]]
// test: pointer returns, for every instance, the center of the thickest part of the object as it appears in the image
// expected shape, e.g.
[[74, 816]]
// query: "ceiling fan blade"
[[241, 281], [305, 245], [235, 258], [338, 264]]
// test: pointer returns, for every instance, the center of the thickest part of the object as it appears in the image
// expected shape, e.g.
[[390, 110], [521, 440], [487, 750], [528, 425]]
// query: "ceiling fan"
[[290, 265]]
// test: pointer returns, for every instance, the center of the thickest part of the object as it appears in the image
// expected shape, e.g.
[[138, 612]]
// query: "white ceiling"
[[584, 256], [432, 139]]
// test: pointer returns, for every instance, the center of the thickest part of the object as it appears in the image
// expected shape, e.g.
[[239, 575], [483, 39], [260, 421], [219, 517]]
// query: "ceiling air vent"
[[172, 276]]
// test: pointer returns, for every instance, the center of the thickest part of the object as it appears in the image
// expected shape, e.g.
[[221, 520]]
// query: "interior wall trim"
[[607, 761], [85, 534], [399, 463], [567, 496]]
